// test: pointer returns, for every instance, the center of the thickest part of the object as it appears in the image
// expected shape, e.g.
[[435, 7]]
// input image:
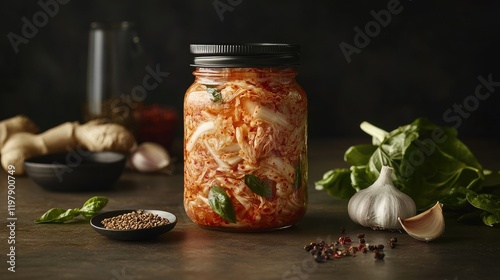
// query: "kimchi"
[[245, 148]]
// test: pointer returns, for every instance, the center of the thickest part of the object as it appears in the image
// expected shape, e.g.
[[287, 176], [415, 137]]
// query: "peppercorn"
[[378, 255], [345, 240], [308, 247], [360, 246], [323, 251], [319, 258], [353, 250]]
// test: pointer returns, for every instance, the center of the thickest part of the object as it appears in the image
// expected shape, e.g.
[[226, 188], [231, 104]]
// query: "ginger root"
[[93, 136], [14, 125]]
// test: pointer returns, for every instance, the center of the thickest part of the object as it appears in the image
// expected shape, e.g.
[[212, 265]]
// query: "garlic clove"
[[427, 225], [150, 157]]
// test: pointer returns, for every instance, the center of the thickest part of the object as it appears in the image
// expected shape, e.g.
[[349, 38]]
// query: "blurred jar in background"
[[157, 124], [115, 66]]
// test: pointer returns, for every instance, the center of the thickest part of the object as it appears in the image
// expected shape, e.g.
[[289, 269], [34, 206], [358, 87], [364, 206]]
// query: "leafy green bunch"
[[430, 164]]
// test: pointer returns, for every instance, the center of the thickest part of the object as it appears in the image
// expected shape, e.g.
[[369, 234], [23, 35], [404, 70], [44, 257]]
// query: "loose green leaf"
[[92, 206], [221, 204], [258, 186], [58, 215], [216, 95]]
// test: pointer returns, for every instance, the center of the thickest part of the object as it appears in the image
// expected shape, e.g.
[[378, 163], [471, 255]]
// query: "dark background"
[[423, 62]]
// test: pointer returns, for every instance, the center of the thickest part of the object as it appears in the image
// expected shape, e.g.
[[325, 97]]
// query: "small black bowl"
[[133, 234], [76, 172]]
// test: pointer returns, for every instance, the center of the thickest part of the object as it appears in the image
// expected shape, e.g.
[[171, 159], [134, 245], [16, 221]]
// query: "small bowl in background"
[[76, 172]]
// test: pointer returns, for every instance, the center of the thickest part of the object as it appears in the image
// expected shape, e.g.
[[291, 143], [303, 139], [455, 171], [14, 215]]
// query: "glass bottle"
[[245, 138], [115, 59]]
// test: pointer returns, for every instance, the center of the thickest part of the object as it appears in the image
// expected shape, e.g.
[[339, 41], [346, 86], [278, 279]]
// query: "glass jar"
[[245, 138]]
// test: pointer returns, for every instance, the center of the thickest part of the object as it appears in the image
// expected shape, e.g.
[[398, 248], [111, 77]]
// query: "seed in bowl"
[[134, 220]]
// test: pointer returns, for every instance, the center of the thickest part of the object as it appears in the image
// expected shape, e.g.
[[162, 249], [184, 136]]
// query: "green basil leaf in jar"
[[215, 93], [298, 175], [258, 186], [221, 204]]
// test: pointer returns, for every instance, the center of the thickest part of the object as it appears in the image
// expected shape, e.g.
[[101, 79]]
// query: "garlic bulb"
[[427, 225], [150, 157], [380, 205]]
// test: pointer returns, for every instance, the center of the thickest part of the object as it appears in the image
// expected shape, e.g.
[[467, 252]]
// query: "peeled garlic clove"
[[427, 225], [150, 157]]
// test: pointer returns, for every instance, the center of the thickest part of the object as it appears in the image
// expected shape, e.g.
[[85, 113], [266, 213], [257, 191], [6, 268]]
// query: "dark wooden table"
[[76, 251]]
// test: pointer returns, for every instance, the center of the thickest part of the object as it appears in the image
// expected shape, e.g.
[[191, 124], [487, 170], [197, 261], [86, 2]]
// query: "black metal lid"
[[245, 55]]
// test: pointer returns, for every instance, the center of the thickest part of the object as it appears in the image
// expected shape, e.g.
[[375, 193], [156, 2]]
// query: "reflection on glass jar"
[[245, 149]]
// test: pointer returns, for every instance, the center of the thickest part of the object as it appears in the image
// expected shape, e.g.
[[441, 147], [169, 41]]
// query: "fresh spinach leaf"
[[490, 219], [360, 154], [360, 177], [485, 202], [221, 204], [258, 186], [337, 183]]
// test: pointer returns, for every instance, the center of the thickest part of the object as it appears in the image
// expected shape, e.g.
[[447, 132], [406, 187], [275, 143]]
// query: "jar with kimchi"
[[245, 138]]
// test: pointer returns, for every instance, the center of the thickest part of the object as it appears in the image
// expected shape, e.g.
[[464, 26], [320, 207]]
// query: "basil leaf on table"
[[258, 186], [221, 204], [58, 215], [92, 206]]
